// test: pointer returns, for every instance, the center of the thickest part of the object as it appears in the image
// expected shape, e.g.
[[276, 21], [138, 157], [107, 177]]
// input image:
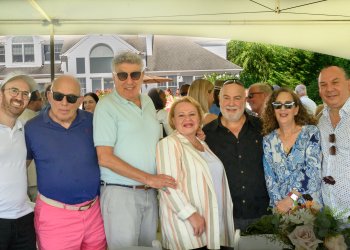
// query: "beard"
[[12, 108], [232, 117]]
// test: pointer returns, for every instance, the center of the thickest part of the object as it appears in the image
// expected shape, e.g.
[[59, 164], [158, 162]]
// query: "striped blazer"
[[194, 193]]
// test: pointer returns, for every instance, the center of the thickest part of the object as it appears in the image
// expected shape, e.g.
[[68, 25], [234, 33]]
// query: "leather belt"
[[66, 206], [144, 187]]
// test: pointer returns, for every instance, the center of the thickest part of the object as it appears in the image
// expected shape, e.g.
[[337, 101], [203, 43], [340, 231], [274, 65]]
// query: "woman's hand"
[[283, 206], [198, 223]]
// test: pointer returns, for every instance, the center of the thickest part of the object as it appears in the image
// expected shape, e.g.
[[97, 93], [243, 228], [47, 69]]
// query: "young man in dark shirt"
[[235, 137]]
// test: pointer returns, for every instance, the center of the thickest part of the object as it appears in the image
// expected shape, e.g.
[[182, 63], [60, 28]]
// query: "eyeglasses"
[[332, 149], [15, 92], [122, 76], [286, 105], [57, 96], [251, 95]]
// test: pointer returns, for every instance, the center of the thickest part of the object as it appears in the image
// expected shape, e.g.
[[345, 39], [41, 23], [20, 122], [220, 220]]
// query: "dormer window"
[[2, 53], [57, 51], [22, 49]]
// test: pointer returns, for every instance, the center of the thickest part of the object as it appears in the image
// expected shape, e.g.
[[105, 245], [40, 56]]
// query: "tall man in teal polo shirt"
[[126, 132]]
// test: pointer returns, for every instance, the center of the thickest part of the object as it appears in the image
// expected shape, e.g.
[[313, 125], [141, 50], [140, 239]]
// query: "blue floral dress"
[[300, 169]]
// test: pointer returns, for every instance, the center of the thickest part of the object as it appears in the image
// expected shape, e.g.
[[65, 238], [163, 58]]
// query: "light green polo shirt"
[[133, 132]]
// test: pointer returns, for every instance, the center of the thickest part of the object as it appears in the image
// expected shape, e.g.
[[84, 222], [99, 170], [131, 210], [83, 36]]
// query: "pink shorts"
[[58, 228]]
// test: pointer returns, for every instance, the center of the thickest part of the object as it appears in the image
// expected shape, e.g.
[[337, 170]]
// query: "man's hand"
[[161, 181], [200, 134], [198, 223]]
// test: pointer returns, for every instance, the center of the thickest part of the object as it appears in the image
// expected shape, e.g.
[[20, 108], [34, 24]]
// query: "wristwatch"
[[293, 196]]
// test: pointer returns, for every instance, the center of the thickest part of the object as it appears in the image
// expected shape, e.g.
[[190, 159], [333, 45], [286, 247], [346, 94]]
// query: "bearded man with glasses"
[[334, 125], [126, 132], [16, 215], [60, 140]]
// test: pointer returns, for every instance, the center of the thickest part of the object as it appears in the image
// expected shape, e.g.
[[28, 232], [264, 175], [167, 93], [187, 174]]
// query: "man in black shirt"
[[235, 137]]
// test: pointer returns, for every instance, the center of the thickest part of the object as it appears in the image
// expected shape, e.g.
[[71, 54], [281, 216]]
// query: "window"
[[57, 51], [100, 59], [82, 85], [80, 65], [2, 53], [22, 49]]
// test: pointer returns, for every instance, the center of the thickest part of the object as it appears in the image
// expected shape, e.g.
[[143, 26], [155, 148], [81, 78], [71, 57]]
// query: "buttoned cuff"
[[186, 212]]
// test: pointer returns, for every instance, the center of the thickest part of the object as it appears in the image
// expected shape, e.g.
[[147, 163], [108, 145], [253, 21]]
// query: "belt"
[[65, 206], [144, 187]]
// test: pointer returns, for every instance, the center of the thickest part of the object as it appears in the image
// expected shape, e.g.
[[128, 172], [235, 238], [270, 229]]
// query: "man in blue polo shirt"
[[126, 132], [67, 212]]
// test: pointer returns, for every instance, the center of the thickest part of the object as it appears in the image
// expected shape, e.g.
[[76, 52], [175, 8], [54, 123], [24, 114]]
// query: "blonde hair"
[[199, 90], [187, 99]]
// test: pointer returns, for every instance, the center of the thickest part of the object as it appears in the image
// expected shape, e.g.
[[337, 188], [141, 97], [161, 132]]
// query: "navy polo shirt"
[[66, 159]]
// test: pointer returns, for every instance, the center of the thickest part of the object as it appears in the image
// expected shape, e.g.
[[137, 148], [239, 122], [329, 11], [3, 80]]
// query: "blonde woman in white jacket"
[[198, 213]]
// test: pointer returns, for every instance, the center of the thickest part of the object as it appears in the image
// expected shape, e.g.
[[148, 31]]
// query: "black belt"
[[144, 187]]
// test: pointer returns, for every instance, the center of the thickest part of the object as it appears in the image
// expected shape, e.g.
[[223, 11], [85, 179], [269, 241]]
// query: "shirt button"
[[243, 187], [237, 142], [243, 201], [239, 156], [242, 172]]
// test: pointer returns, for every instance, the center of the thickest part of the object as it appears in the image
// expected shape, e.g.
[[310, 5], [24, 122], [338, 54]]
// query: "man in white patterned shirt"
[[334, 124]]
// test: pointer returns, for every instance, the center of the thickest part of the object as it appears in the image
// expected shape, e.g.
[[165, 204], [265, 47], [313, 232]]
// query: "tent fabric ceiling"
[[317, 25]]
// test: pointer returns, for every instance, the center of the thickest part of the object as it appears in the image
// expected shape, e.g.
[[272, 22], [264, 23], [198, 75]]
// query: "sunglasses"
[[57, 96], [286, 105], [122, 76], [233, 81], [251, 95], [332, 149]]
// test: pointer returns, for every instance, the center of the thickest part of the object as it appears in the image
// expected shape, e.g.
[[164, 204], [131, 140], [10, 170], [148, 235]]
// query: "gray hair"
[[300, 90], [127, 57], [263, 87]]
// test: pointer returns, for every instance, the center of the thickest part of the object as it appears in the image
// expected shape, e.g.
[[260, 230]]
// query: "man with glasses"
[[235, 137], [334, 125], [60, 140], [258, 93], [126, 132], [16, 215]]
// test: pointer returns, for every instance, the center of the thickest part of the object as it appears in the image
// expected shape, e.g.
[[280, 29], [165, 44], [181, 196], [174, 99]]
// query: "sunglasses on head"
[[233, 81], [122, 76], [286, 105], [332, 149], [57, 96]]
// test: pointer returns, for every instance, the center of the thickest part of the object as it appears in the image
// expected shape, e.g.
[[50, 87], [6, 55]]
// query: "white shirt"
[[336, 196], [13, 177], [308, 104]]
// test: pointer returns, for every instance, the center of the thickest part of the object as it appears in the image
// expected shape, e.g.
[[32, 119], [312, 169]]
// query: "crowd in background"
[[201, 161]]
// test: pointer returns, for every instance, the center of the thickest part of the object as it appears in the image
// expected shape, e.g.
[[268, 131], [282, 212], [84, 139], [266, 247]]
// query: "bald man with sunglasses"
[[126, 132], [60, 140]]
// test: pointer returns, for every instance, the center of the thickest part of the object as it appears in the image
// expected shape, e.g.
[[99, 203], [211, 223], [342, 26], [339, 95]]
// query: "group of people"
[[99, 173]]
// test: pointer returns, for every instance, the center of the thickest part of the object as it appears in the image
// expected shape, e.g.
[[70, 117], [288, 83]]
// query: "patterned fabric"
[[300, 169], [338, 166], [195, 192]]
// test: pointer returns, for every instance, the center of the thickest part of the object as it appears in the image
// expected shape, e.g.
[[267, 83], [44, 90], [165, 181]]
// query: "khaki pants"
[[130, 216]]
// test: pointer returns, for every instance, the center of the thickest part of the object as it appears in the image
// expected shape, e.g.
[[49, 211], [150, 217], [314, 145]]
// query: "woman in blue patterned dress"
[[292, 151]]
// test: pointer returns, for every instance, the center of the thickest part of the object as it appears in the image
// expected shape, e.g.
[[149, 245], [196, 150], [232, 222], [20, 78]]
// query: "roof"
[[172, 53], [43, 71]]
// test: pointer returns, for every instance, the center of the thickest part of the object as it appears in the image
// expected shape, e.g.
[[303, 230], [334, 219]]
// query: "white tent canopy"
[[317, 25]]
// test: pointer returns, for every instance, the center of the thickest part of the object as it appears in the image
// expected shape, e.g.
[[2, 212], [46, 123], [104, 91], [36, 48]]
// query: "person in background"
[[309, 104], [292, 151], [334, 125], [126, 132], [159, 100], [90, 101], [235, 137], [203, 92], [258, 93], [169, 99], [215, 107], [60, 140], [16, 215], [184, 89], [34, 106], [199, 212]]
